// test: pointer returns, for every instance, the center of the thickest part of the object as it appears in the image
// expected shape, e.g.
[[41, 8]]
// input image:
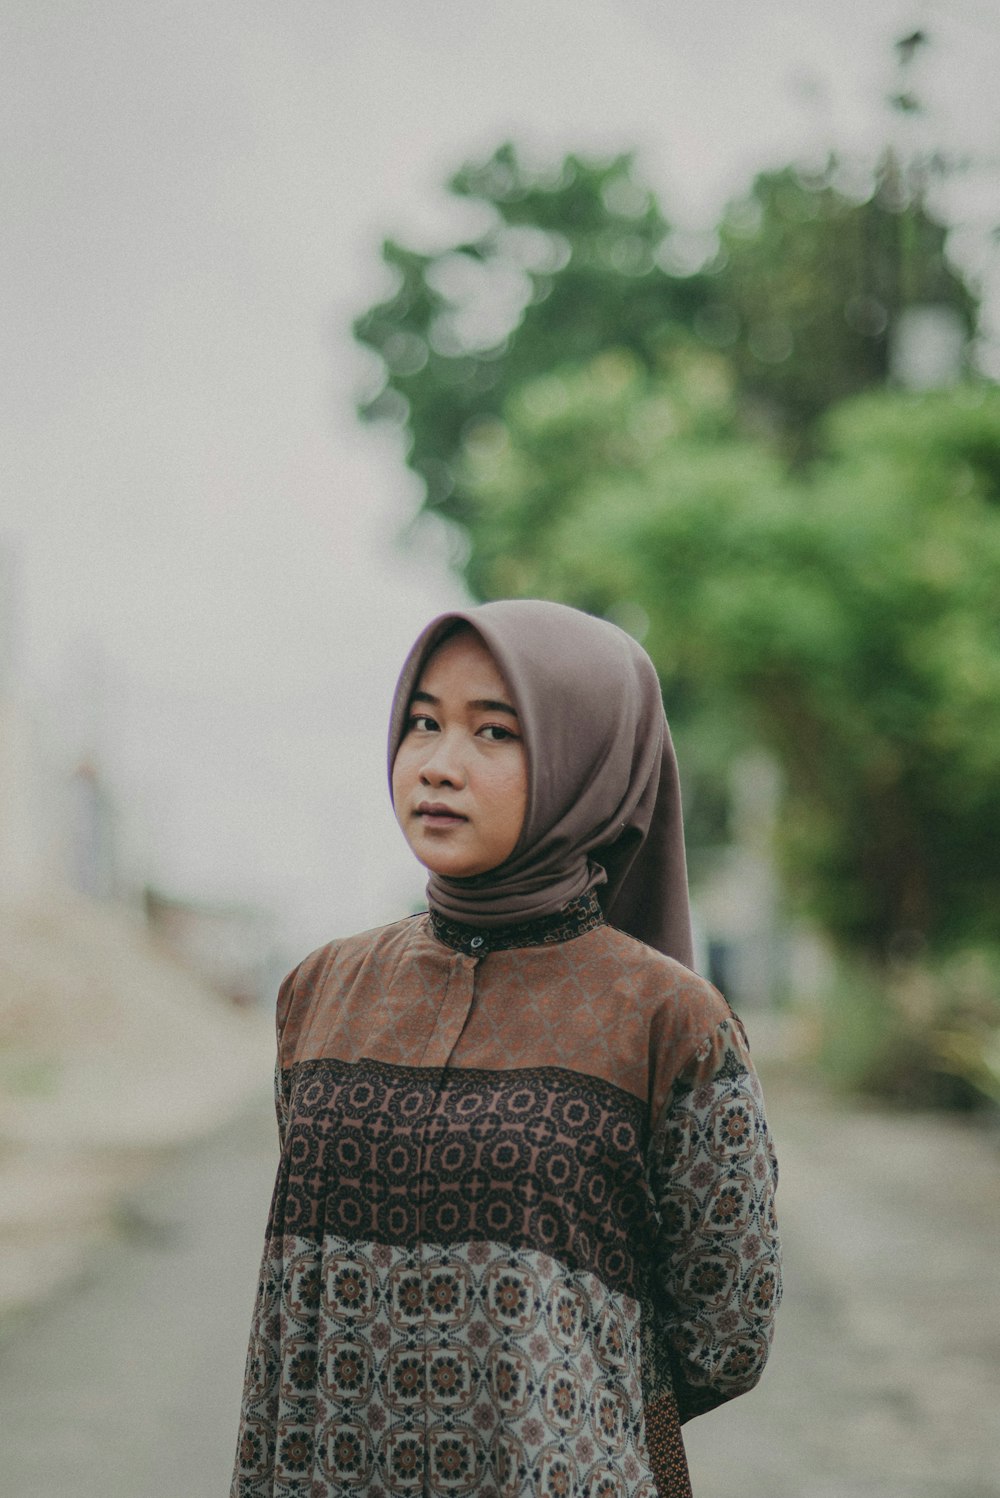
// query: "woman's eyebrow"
[[482, 704], [487, 704]]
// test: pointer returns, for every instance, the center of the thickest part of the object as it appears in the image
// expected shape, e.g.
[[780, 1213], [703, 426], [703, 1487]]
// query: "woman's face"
[[460, 778]]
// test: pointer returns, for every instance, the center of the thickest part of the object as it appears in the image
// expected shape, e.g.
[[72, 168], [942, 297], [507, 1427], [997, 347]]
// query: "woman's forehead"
[[462, 659]]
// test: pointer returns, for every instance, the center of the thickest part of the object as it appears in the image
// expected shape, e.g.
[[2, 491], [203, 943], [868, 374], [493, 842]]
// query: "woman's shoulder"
[[338, 962], [692, 1029], [655, 973], [316, 989], [677, 1004], [344, 952]]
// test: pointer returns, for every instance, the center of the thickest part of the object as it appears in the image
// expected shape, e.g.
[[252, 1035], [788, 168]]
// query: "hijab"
[[604, 807]]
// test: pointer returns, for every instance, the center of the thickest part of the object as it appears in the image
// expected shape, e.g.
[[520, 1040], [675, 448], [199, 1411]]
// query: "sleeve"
[[285, 995], [718, 1269], [280, 1103]]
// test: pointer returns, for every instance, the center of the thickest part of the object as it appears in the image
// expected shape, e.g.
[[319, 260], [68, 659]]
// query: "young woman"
[[523, 1223]]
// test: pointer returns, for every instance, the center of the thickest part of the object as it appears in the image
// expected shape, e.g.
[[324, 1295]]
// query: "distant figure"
[[523, 1224]]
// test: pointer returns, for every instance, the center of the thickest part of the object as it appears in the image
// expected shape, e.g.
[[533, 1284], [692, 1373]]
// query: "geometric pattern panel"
[[535, 1388], [539, 1158]]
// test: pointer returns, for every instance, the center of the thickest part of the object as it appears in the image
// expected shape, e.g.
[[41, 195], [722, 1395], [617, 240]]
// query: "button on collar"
[[576, 918]]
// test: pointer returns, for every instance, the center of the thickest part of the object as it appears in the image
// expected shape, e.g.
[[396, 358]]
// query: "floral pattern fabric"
[[471, 1370], [514, 1241]]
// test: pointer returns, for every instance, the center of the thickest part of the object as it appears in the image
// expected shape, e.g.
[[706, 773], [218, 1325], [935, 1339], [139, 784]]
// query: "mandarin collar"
[[579, 916]]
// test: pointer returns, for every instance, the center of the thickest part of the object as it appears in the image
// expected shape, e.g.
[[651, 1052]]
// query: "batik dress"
[[523, 1221]]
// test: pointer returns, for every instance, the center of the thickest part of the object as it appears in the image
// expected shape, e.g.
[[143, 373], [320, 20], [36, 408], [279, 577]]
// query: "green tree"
[[612, 432], [801, 298], [566, 268], [848, 618], [813, 282]]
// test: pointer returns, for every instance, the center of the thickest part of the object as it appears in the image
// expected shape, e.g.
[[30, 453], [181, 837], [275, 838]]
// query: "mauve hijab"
[[604, 805]]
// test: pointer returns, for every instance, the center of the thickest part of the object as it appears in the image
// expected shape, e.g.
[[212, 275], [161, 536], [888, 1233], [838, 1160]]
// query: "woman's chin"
[[452, 868], [451, 863]]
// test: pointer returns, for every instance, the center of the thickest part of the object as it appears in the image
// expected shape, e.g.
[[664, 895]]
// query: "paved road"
[[129, 1387], [885, 1381]]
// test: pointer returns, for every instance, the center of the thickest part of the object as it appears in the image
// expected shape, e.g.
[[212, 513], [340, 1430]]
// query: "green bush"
[[916, 1032]]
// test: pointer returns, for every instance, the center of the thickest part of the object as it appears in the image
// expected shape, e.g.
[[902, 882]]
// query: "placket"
[[451, 1020]]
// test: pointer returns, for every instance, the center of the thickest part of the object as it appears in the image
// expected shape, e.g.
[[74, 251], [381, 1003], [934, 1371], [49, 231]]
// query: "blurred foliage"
[[696, 438], [566, 268], [800, 288], [922, 1032], [814, 279], [847, 618]]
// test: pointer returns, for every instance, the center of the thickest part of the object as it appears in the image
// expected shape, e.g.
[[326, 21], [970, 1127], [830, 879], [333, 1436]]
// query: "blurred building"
[[27, 823], [741, 933], [90, 834]]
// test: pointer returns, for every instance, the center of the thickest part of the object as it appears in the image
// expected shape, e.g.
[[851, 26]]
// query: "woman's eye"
[[495, 733], [421, 722]]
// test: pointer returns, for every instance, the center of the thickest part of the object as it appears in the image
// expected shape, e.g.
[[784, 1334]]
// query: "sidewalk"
[[127, 1383], [111, 1055]]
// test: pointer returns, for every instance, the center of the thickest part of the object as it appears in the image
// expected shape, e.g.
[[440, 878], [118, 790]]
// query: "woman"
[[523, 1222]]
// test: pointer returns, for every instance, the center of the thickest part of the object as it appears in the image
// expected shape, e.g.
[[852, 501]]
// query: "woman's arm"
[[286, 993], [714, 1175]]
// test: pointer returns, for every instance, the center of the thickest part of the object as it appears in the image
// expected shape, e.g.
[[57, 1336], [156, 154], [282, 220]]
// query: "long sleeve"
[[714, 1175], [285, 996]]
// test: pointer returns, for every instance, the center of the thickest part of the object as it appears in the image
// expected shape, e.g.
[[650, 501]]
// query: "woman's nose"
[[443, 766]]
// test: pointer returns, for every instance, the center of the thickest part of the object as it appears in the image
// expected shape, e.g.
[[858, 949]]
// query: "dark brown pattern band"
[[539, 1158]]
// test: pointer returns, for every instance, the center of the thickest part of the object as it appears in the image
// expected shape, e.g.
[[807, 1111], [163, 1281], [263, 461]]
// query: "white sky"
[[194, 195]]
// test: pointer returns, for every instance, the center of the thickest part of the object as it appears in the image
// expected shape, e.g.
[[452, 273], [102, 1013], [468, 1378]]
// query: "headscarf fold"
[[604, 805]]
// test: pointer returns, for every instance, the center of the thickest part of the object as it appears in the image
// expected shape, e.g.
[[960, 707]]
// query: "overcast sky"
[[213, 593]]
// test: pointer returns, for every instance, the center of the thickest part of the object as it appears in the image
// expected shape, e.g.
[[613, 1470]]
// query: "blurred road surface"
[[129, 1386], [884, 1380], [884, 1383]]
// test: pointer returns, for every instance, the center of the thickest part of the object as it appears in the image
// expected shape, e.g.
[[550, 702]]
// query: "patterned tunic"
[[523, 1221]]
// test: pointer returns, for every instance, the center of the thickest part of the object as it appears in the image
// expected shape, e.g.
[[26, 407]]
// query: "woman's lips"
[[433, 814]]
